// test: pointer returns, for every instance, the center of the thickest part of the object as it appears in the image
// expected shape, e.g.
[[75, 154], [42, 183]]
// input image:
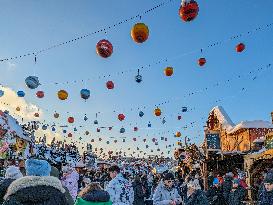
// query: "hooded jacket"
[[266, 198], [96, 197], [121, 191], [71, 183], [163, 196], [35, 190]]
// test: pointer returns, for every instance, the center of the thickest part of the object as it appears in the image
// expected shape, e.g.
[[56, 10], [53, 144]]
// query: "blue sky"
[[32, 25]]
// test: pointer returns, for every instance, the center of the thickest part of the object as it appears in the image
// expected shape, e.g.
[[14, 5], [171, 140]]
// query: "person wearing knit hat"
[[12, 173], [36, 167], [215, 194], [166, 193], [266, 196], [237, 194]]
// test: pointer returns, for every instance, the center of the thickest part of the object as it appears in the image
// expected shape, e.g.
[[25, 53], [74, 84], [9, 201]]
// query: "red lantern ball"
[[70, 135], [70, 119], [179, 117], [168, 71], [121, 117], [104, 48], [134, 139], [189, 10], [202, 61], [240, 47], [110, 85], [40, 94], [135, 129]]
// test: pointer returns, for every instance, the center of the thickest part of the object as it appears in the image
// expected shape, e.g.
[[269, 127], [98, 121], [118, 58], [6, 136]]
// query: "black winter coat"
[[197, 198], [215, 196], [97, 196], [138, 194], [227, 186], [236, 197], [4, 185], [34, 190], [266, 198]]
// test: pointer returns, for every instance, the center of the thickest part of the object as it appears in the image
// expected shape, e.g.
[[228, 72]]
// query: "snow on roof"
[[259, 140], [223, 118], [251, 124], [12, 126]]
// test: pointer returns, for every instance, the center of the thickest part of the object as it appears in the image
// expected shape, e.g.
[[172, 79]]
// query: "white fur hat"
[[13, 172]]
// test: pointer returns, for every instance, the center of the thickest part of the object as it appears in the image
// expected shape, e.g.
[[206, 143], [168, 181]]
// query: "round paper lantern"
[[36, 114], [134, 139], [107, 142], [115, 141], [32, 82], [98, 129], [179, 117], [141, 114], [75, 129], [149, 124], [53, 129], [64, 131], [178, 134], [240, 47], [154, 140], [70, 120], [122, 130], [144, 140], [140, 32], [86, 133], [18, 109], [21, 94], [56, 115], [100, 139], [188, 10], [138, 77], [110, 128], [135, 129], [104, 48], [2, 93], [85, 118], [85, 94], [202, 61], [69, 135], [44, 127], [96, 122], [121, 117], [157, 112], [92, 140], [110, 85], [62, 95], [40, 94], [168, 71]]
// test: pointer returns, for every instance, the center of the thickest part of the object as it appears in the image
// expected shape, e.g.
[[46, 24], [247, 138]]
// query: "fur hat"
[[13, 173], [168, 176], [269, 178], [36, 167]]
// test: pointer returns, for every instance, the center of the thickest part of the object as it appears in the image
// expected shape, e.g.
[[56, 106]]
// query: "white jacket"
[[121, 191]]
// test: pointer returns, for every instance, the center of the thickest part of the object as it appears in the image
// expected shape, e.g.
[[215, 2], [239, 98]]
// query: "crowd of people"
[[43, 184]]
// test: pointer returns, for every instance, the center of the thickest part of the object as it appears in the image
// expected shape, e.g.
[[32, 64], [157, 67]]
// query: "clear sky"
[[32, 25]]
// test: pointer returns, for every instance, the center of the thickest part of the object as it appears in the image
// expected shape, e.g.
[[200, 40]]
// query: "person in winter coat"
[[237, 194], [215, 194], [138, 192], [70, 181], [120, 189], [227, 185], [93, 194], [12, 173], [195, 196], [166, 193], [37, 188], [266, 196], [210, 179]]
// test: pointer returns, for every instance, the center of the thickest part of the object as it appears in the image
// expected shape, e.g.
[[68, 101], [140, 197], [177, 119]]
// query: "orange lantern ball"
[[188, 11], [110, 85], [157, 112], [70, 119], [240, 47], [202, 61], [178, 134], [36, 114], [140, 32], [168, 71], [40, 94], [62, 95]]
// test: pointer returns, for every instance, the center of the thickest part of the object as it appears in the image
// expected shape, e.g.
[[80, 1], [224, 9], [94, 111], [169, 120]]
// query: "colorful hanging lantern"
[[86, 132], [153, 140], [110, 128], [144, 140], [107, 142], [18, 109], [178, 134], [134, 139], [140, 32], [40, 94], [168, 71], [53, 129], [70, 119], [75, 129], [85, 94], [157, 112], [64, 131], [141, 114], [85, 118], [123, 140], [135, 129], [62, 95], [21, 94], [202, 61], [56, 115], [2, 93], [163, 121], [36, 114], [179, 117], [32, 82], [104, 48], [122, 130], [188, 10], [92, 140], [98, 129], [149, 124], [121, 117], [110, 85], [100, 139], [44, 127], [96, 122], [184, 109], [69, 135], [138, 77], [240, 47], [115, 141]]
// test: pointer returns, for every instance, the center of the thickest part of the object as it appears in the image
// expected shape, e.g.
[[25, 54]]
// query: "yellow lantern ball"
[[62, 95], [157, 112], [178, 134], [140, 32], [18, 109]]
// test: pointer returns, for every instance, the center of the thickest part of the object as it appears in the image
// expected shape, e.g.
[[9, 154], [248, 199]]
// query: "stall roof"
[[223, 118], [251, 124]]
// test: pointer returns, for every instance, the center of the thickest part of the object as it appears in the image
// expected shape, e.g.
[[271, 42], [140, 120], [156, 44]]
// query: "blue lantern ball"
[[122, 130], [141, 114], [32, 82], [85, 93], [21, 94], [64, 131], [85, 118], [96, 122], [44, 127], [53, 129], [2, 93]]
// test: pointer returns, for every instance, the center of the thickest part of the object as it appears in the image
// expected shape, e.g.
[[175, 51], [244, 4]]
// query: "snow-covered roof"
[[223, 118], [259, 140], [251, 124], [12, 126]]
